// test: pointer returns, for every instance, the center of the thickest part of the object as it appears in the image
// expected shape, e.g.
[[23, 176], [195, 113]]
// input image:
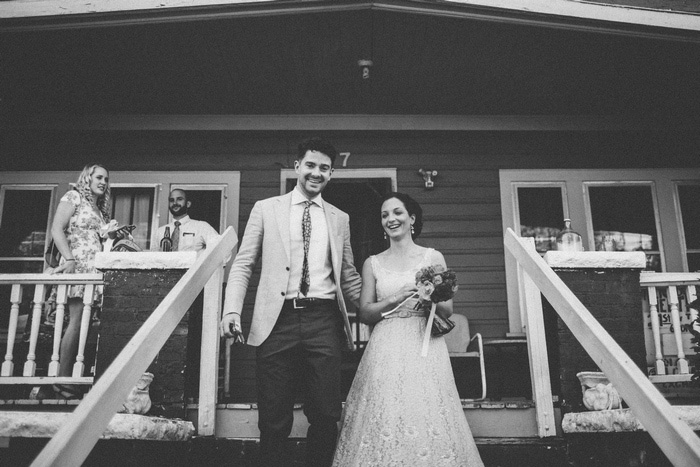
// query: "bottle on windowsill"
[[165, 243], [568, 240]]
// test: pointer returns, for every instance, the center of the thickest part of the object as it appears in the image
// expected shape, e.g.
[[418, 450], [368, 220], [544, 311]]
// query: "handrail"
[[77, 436], [51, 279], [675, 438], [660, 279]]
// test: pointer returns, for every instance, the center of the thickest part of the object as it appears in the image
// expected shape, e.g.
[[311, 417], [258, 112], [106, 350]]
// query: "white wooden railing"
[[666, 305], [41, 285], [77, 436], [675, 438]]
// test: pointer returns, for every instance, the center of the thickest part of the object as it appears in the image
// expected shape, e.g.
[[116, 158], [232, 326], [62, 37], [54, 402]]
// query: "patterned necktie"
[[175, 237], [306, 233]]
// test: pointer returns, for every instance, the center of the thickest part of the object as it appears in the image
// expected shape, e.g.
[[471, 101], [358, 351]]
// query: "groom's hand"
[[229, 323]]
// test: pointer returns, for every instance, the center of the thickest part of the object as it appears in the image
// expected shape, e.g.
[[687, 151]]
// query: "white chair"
[[461, 344]]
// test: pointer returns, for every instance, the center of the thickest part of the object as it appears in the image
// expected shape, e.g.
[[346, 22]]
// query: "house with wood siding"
[[526, 113]]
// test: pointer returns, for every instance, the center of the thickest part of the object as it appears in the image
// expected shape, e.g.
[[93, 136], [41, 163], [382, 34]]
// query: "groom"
[[300, 321]]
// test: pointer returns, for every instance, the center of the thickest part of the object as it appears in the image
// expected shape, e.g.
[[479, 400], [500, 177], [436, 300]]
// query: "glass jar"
[[568, 240]]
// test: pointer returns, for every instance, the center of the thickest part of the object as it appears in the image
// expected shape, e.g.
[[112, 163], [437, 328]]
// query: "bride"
[[402, 409]]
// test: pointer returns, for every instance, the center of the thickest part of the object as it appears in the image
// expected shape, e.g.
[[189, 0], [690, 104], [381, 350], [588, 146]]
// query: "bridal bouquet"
[[435, 284]]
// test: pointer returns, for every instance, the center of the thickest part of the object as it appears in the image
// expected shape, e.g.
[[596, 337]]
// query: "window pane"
[[694, 262], [134, 206], [689, 196], [206, 206], [23, 225], [541, 215], [624, 220]]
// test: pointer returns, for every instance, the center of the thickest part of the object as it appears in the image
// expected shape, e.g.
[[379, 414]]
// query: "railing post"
[[677, 332], [537, 351], [656, 330], [61, 299], [30, 364], [8, 366], [88, 297], [209, 360]]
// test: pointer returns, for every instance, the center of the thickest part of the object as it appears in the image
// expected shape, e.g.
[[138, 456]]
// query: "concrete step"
[[487, 419], [214, 452]]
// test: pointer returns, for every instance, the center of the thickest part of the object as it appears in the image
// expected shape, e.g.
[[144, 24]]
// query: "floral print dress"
[[83, 234], [404, 409]]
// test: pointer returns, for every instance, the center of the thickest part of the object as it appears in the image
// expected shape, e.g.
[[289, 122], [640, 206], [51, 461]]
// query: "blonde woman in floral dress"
[[76, 230], [402, 409]]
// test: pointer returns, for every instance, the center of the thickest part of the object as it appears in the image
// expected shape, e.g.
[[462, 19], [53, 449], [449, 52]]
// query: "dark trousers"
[[305, 344]]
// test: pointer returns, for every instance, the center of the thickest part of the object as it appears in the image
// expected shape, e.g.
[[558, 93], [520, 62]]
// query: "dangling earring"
[[384, 235], [413, 230]]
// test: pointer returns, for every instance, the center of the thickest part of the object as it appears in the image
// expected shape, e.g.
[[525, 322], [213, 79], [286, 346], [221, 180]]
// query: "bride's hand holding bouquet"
[[434, 284]]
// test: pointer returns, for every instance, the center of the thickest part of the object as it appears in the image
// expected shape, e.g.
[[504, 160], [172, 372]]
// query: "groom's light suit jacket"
[[267, 232]]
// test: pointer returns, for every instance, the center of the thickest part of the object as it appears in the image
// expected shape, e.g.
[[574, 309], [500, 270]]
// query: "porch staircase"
[[73, 443], [135, 440]]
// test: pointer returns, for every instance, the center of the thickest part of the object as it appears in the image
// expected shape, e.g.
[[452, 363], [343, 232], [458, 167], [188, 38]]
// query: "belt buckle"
[[300, 306], [404, 314]]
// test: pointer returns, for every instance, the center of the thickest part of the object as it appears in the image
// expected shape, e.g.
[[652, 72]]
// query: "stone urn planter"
[[598, 391], [139, 401]]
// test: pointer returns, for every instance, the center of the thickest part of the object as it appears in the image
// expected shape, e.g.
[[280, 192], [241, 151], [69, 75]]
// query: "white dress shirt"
[[320, 267], [194, 235]]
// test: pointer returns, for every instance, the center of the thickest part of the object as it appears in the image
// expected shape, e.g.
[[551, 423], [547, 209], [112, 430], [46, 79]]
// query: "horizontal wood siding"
[[462, 212]]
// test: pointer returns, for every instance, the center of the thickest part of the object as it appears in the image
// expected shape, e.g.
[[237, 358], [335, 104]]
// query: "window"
[[24, 213], [28, 201], [623, 218], [689, 203], [656, 211], [540, 214], [209, 203], [134, 206], [142, 197]]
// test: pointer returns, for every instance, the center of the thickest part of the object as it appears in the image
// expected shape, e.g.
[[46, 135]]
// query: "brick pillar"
[[607, 283], [135, 284]]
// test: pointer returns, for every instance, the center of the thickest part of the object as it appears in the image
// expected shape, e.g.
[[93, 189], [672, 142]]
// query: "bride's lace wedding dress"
[[403, 409]]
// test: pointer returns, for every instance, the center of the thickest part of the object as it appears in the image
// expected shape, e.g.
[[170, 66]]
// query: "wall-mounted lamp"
[[364, 66], [428, 178]]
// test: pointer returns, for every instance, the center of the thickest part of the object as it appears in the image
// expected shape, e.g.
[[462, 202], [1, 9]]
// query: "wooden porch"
[[509, 420]]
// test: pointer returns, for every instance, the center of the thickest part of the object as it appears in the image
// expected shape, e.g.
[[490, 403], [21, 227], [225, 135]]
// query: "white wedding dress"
[[403, 409]]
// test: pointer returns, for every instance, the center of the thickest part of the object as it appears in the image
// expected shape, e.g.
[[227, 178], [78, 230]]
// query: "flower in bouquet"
[[435, 284]]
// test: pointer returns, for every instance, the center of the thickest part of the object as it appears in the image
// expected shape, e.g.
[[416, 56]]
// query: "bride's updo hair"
[[412, 207]]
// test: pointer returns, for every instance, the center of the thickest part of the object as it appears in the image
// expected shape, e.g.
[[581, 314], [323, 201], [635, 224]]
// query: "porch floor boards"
[[214, 452]]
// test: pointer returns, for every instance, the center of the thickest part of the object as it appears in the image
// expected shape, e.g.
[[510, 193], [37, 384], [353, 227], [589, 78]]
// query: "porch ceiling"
[[307, 63]]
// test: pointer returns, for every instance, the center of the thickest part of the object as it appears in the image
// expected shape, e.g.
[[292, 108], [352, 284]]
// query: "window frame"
[[4, 187], [161, 181], [663, 183], [390, 173], [587, 185], [679, 217]]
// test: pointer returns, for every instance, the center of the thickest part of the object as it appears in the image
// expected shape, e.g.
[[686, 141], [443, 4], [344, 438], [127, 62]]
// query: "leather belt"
[[301, 303]]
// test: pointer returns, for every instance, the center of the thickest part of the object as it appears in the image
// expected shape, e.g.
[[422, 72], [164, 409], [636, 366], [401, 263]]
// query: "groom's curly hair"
[[318, 145], [412, 207]]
